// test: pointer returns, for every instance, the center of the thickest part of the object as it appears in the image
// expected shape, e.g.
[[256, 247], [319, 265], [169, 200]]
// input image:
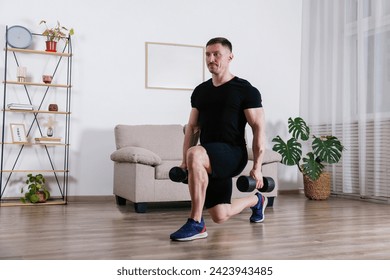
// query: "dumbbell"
[[248, 184], [177, 174]]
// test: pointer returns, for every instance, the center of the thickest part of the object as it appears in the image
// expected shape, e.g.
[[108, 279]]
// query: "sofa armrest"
[[269, 156], [136, 155]]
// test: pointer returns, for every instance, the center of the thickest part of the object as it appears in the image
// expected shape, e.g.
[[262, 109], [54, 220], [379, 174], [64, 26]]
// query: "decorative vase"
[[47, 79], [50, 131], [318, 189], [51, 46], [53, 107], [21, 74]]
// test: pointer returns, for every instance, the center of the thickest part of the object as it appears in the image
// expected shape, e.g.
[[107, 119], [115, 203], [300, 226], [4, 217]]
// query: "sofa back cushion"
[[164, 140]]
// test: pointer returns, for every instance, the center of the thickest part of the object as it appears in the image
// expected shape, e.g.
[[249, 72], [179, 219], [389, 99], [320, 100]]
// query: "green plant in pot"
[[55, 34], [36, 189], [325, 150]]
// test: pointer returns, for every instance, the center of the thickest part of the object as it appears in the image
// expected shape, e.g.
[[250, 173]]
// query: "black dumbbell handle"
[[248, 184]]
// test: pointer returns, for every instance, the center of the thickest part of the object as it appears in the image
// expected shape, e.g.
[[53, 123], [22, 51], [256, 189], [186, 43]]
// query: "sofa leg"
[[120, 200], [270, 201], [140, 207]]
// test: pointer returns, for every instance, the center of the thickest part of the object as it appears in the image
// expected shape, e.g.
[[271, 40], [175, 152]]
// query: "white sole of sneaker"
[[197, 236]]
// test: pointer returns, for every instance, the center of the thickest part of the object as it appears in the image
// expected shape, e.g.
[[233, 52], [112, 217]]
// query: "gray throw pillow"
[[136, 155]]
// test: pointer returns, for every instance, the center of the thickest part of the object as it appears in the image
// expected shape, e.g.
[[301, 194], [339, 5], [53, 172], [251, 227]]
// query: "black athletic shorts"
[[226, 161]]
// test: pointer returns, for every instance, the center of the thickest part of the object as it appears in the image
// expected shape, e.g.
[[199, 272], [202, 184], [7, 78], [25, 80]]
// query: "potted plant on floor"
[[36, 189], [55, 34], [325, 149]]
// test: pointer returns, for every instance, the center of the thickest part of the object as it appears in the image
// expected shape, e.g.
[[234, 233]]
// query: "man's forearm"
[[258, 147]]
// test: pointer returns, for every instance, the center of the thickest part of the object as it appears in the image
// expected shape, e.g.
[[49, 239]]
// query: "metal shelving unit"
[[58, 173]]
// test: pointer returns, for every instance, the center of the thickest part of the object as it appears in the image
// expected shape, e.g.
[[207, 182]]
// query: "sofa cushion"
[[164, 140], [136, 155]]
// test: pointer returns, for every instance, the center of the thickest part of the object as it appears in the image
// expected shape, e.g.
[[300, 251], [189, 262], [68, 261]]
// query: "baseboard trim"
[[91, 198]]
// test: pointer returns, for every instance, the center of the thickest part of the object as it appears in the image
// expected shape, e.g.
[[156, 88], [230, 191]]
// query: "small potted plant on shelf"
[[36, 189], [325, 149], [55, 34]]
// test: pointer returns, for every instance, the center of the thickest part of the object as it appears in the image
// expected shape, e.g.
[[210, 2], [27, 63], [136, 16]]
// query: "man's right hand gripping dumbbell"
[[178, 174]]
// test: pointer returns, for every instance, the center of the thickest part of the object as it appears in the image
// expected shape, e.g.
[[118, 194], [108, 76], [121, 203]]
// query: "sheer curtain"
[[345, 89]]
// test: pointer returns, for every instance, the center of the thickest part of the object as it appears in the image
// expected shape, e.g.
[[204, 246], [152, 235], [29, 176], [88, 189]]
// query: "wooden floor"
[[295, 228]]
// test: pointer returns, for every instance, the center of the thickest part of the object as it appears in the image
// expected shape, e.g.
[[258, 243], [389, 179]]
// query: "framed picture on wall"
[[18, 133], [174, 66]]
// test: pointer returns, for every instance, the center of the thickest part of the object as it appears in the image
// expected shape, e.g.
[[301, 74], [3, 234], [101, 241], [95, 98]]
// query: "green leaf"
[[311, 167], [291, 151], [327, 149], [298, 128], [34, 198], [47, 194]]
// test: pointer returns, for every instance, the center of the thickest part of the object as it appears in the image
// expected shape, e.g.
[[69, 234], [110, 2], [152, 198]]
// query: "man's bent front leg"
[[198, 164]]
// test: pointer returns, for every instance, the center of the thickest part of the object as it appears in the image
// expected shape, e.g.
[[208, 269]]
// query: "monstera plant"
[[325, 149]]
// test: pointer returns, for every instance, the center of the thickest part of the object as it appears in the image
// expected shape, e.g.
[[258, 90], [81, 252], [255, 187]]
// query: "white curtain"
[[345, 89]]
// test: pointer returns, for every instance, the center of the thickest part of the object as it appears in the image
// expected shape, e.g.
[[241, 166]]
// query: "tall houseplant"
[[55, 34], [325, 149]]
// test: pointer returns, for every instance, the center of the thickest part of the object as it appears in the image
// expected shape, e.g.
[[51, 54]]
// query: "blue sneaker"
[[191, 230], [258, 210]]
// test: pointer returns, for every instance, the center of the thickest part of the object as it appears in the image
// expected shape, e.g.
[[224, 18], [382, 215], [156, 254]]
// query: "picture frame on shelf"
[[18, 133]]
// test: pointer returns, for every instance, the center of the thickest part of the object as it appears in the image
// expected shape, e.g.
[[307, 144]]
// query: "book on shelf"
[[48, 140], [19, 106]]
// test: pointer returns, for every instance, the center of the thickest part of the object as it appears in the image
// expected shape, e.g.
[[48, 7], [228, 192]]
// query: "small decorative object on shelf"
[[19, 106], [36, 189], [53, 35], [47, 79], [50, 132], [21, 74], [19, 37], [18, 133], [50, 126], [53, 107]]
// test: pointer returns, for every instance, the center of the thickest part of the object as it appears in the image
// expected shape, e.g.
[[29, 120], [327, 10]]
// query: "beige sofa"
[[145, 154]]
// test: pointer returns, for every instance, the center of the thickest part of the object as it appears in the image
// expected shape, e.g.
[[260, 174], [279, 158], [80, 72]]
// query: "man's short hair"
[[220, 40]]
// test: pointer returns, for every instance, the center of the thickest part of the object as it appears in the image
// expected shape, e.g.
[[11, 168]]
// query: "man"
[[221, 107]]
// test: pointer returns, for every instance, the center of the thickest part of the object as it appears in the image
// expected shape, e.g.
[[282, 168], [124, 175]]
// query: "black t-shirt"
[[221, 110]]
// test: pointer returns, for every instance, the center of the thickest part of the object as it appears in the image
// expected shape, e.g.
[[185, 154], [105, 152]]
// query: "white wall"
[[109, 72]]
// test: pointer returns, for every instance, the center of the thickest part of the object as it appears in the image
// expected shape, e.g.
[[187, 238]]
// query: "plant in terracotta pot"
[[325, 149], [55, 34], [36, 189]]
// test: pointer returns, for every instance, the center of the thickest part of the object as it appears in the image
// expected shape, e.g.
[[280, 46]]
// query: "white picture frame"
[[173, 66], [18, 133]]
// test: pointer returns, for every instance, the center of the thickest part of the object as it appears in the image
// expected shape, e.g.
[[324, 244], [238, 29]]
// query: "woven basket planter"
[[319, 189]]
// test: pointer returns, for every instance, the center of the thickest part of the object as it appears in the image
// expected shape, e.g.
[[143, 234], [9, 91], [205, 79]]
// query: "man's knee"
[[219, 213], [219, 219], [195, 153], [197, 157]]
